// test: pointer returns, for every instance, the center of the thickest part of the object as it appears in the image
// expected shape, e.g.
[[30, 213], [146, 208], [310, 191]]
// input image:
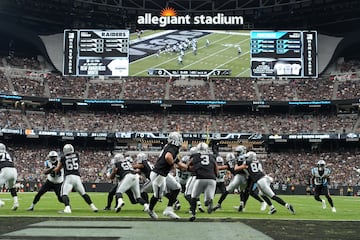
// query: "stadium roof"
[[50, 16]]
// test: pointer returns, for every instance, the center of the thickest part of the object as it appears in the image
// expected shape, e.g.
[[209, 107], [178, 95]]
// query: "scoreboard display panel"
[[290, 54], [96, 52]]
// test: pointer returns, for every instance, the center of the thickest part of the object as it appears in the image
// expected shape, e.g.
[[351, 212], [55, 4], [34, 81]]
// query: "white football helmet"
[[250, 156], [175, 138], [141, 157], [240, 149], [53, 156], [321, 163], [2, 148], [185, 158], [220, 160], [202, 147], [68, 149], [193, 150], [230, 157], [119, 157]]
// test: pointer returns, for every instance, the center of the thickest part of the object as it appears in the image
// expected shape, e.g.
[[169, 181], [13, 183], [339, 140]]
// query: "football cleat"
[[218, 206], [95, 209], [290, 208], [169, 212], [2, 203], [30, 209], [119, 205], [323, 204], [263, 206], [333, 209], [272, 211], [201, 208], [67, 209], [192, 218], [15, 206], [241, 207], [107, 209], [152, 214]]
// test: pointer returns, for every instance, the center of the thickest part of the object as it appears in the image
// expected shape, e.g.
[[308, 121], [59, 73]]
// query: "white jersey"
[[54, 177], [182, 176], [320, 179]]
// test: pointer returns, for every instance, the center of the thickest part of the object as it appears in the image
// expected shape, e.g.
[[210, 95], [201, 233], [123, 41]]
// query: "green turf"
[[306, 208], [221, 54]]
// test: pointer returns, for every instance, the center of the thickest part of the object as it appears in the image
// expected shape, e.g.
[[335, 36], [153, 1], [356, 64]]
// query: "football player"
[[320, 179], [254, 168], [8, 175], [70, 162], [161, 179], [143, 167], [53, 180], [240, 177], [204, 166], [128, 180]]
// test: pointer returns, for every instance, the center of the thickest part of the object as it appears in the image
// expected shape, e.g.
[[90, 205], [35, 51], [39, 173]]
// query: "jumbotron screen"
[[165, 52], [290, 54], [96, 52]]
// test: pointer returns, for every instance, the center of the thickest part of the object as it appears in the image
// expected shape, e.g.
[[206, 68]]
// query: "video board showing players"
[[289, 54], [96, 52]]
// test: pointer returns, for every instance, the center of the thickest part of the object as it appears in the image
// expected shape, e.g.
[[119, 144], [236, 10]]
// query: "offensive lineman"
[[8, 175], [53, 181], [70, 162]]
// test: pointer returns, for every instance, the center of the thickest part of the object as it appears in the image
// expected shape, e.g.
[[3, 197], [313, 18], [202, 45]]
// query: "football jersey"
[[320, 177], [254, 170], [162, 167], [6, 160], [182, 176], [123, 168], [52, 176], [146, 170], [204, 165], [71, 164]]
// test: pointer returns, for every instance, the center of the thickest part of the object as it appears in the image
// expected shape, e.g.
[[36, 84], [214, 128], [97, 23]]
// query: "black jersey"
[[71, 164], [204, 165], [123, 168], [146, 169], [162, 167], [254, 169], [6, 160]]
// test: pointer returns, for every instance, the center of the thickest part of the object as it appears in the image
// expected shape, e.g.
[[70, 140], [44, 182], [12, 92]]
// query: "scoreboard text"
[[290, 54], [96, 52]]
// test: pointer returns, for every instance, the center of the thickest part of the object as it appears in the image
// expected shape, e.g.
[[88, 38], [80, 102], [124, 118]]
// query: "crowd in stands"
[[292, 168]]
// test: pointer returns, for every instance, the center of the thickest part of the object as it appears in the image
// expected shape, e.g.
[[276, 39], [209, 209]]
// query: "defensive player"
[[53, 180], [320, 179], [128, 180], [70, 162], [8, 175]]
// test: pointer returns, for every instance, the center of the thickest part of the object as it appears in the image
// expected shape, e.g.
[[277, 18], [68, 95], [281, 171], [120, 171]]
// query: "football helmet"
[[240, 150], [193, 150], [202, 147], [321, 164], [2, 148], [220, 160], [53, 156], [250, 156], [68, 149], [141, 157], [119, 157], [175, 138], [185, 159], [230, 157]]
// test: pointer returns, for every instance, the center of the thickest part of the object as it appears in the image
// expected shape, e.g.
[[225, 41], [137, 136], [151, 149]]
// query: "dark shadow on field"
[[276, 229]]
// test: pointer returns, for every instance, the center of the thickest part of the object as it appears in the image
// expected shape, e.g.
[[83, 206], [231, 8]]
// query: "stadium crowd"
[[291, 168]]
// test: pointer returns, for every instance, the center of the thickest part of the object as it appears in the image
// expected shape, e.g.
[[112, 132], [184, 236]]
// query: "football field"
[[221, 52], [311, 221]]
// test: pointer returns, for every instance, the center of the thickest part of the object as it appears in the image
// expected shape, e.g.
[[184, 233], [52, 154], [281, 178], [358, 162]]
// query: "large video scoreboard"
[[96, 52], [289, 54]]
